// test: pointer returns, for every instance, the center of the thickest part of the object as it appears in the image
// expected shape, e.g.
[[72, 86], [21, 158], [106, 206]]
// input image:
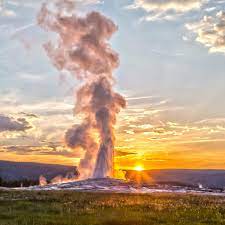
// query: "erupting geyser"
[[84, 51]]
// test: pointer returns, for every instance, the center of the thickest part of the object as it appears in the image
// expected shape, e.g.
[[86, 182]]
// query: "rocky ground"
[[109, 185]]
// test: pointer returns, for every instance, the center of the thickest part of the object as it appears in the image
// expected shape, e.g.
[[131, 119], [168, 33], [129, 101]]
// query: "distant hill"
[[20, 171], [16, 171], [204, 178]]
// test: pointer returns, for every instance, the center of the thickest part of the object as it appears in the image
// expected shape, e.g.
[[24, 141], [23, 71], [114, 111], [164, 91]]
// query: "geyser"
[[83, 50]]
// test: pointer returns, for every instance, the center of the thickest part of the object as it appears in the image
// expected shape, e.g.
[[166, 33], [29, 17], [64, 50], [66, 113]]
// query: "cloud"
[[31, 77], [217, 122], [139, 98], [123, 153], [210, 32], [35, 4], [13, 98], [7, 13], [161, 124], [22, 29], [7, 7], [4, 12], [29, 115], [24, 3], [88, 2], [51, 150], [166, 9], [11, 124]]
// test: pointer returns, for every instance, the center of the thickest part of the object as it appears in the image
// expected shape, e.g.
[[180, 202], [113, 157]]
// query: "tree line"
[[18, 183]]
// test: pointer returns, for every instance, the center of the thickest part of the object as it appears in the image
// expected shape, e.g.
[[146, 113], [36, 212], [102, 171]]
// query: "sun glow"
[[139, 168]]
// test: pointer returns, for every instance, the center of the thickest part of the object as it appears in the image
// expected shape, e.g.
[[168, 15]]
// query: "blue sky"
[[171, 72]]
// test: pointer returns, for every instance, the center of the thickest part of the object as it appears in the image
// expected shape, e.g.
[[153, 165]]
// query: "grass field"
[[70, 208]]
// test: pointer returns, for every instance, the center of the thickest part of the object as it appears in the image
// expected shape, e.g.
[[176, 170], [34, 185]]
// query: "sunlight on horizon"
[[139, 168]]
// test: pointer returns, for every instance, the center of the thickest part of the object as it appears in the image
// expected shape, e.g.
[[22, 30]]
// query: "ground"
[[74, 208]]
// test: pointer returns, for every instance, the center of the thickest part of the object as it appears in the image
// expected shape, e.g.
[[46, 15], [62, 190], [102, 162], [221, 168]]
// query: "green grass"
[[72, 208]]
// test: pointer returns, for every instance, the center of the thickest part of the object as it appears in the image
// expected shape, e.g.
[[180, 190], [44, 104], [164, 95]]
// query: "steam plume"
[[84, 51]]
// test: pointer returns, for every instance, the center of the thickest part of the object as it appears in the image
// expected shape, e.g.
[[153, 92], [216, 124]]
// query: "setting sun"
[[138, 168]]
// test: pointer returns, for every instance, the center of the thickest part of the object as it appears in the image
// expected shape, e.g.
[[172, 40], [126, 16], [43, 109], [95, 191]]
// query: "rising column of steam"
[[83, 50]]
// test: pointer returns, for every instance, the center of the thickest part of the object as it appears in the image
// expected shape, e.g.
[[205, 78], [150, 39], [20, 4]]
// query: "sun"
[[139, 168]]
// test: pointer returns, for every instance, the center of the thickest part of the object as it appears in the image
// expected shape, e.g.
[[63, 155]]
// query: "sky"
[[172, 55]]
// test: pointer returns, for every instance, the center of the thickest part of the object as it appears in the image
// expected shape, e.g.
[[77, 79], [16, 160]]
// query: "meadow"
[[74, 208]]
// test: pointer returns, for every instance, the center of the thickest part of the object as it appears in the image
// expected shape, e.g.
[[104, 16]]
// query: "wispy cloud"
[[50, 150], [139, 98], [31, 77], [21, 29]]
